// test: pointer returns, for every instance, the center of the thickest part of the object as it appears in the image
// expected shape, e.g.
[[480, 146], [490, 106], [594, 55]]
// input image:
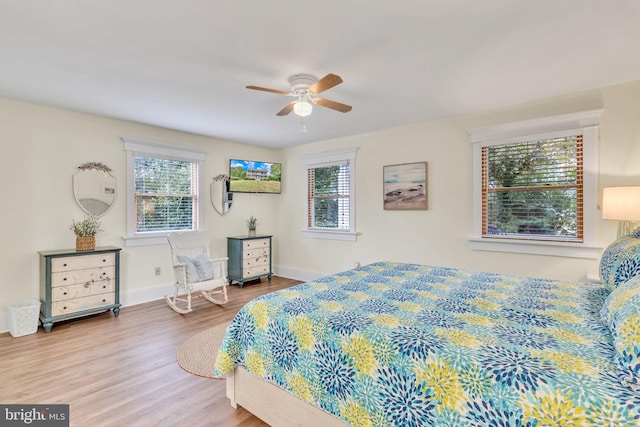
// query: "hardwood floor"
[[123, 371]]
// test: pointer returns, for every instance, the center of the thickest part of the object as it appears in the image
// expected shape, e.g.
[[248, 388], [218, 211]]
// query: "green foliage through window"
[[533, 189], [329, 197], [166, 194]]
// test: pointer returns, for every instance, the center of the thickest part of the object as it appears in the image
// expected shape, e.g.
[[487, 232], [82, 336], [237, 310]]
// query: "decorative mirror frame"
[[104, 193], [221, 197]]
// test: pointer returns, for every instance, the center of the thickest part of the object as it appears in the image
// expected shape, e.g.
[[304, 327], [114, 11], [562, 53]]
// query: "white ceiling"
[[185, 64]]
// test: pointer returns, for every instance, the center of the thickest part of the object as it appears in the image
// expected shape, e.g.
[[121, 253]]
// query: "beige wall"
[[440, 235], [43, 146]]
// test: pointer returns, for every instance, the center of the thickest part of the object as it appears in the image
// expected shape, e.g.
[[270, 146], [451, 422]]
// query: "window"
[[533, 190], [330, 195], [163, 190], [534, 186], [166, 194]]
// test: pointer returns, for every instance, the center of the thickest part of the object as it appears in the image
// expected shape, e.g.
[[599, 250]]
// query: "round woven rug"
[[197, 354]]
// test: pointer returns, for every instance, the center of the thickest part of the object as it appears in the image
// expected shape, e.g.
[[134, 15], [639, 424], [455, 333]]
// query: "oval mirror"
[[221, 197], [94, 188]]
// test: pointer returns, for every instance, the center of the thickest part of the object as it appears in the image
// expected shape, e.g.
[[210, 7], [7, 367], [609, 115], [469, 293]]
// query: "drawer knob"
[[64, 293], [64, 265]]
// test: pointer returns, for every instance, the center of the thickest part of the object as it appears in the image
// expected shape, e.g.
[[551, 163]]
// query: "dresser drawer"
[[61, 293], [82, 262], [260, 259], [255, 244], [80, 304], [256, 253], [88, 275], [255, 271]]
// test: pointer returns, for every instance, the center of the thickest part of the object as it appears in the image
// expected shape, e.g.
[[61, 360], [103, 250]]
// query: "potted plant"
[[85, 231], [251, 225]]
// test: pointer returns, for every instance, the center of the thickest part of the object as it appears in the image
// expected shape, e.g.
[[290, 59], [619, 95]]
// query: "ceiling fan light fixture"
[[302, 108]]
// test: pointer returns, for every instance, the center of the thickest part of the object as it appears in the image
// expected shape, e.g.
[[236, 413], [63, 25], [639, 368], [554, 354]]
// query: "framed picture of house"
[[405, 186]]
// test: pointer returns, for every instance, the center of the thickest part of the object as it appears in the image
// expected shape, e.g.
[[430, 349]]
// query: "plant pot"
[[252, 233], [85, 243]]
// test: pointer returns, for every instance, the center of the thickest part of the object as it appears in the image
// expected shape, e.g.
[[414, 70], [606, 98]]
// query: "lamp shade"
[[621, 203]]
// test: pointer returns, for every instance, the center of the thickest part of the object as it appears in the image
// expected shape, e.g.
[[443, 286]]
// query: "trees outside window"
[[534, 189], [330, 212], [166, 194], [329, 197]]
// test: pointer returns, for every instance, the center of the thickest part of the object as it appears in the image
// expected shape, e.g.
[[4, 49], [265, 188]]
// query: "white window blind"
[[330, 199], [534, 190], [328, 196], [166, 194]]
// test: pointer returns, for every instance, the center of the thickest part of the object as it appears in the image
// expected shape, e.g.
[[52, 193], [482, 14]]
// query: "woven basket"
[[85, 243]]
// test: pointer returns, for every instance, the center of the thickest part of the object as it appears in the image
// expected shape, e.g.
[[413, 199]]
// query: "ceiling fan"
[[305, 87]]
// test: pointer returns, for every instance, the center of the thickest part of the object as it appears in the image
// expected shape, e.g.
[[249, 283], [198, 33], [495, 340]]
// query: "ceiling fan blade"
[[343, 108], [287, 109], [266, 89], [327, 82]]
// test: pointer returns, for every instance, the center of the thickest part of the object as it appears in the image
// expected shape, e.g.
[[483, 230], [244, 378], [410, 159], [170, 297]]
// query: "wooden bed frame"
[[273, 405]]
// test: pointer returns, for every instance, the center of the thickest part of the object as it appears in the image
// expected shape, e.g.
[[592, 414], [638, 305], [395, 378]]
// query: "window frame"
[[331, 158], [585, 123], [137, 147]]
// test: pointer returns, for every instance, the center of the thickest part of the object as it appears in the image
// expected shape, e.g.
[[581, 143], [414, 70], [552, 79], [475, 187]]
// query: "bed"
[[415, 345]]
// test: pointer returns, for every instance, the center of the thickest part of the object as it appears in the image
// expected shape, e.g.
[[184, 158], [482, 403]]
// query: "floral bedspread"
[[410, 345]]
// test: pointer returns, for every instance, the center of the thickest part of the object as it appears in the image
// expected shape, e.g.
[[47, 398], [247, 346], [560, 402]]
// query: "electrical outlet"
[[157, 271]]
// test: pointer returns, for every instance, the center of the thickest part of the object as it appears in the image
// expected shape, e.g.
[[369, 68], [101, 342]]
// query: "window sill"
[[329, 234], [146, 239], [570, 250]]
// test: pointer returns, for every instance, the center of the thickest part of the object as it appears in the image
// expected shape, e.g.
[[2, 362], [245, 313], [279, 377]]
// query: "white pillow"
[[203, 266], [190, 268]]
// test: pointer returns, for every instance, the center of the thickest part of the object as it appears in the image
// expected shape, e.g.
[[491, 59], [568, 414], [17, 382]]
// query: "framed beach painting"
[[405, 186]]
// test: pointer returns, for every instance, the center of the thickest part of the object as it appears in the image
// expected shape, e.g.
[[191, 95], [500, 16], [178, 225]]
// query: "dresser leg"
[[116, 311], [269, 277], [47, 326]]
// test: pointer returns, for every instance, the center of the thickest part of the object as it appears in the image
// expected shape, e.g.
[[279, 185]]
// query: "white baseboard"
[[297, 274], [140, 296]]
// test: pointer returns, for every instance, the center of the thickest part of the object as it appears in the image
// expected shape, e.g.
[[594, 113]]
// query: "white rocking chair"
[[196, 271]]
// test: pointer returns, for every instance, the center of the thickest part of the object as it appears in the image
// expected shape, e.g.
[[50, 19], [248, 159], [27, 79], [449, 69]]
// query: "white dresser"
[[249, 258], [78, 283]]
